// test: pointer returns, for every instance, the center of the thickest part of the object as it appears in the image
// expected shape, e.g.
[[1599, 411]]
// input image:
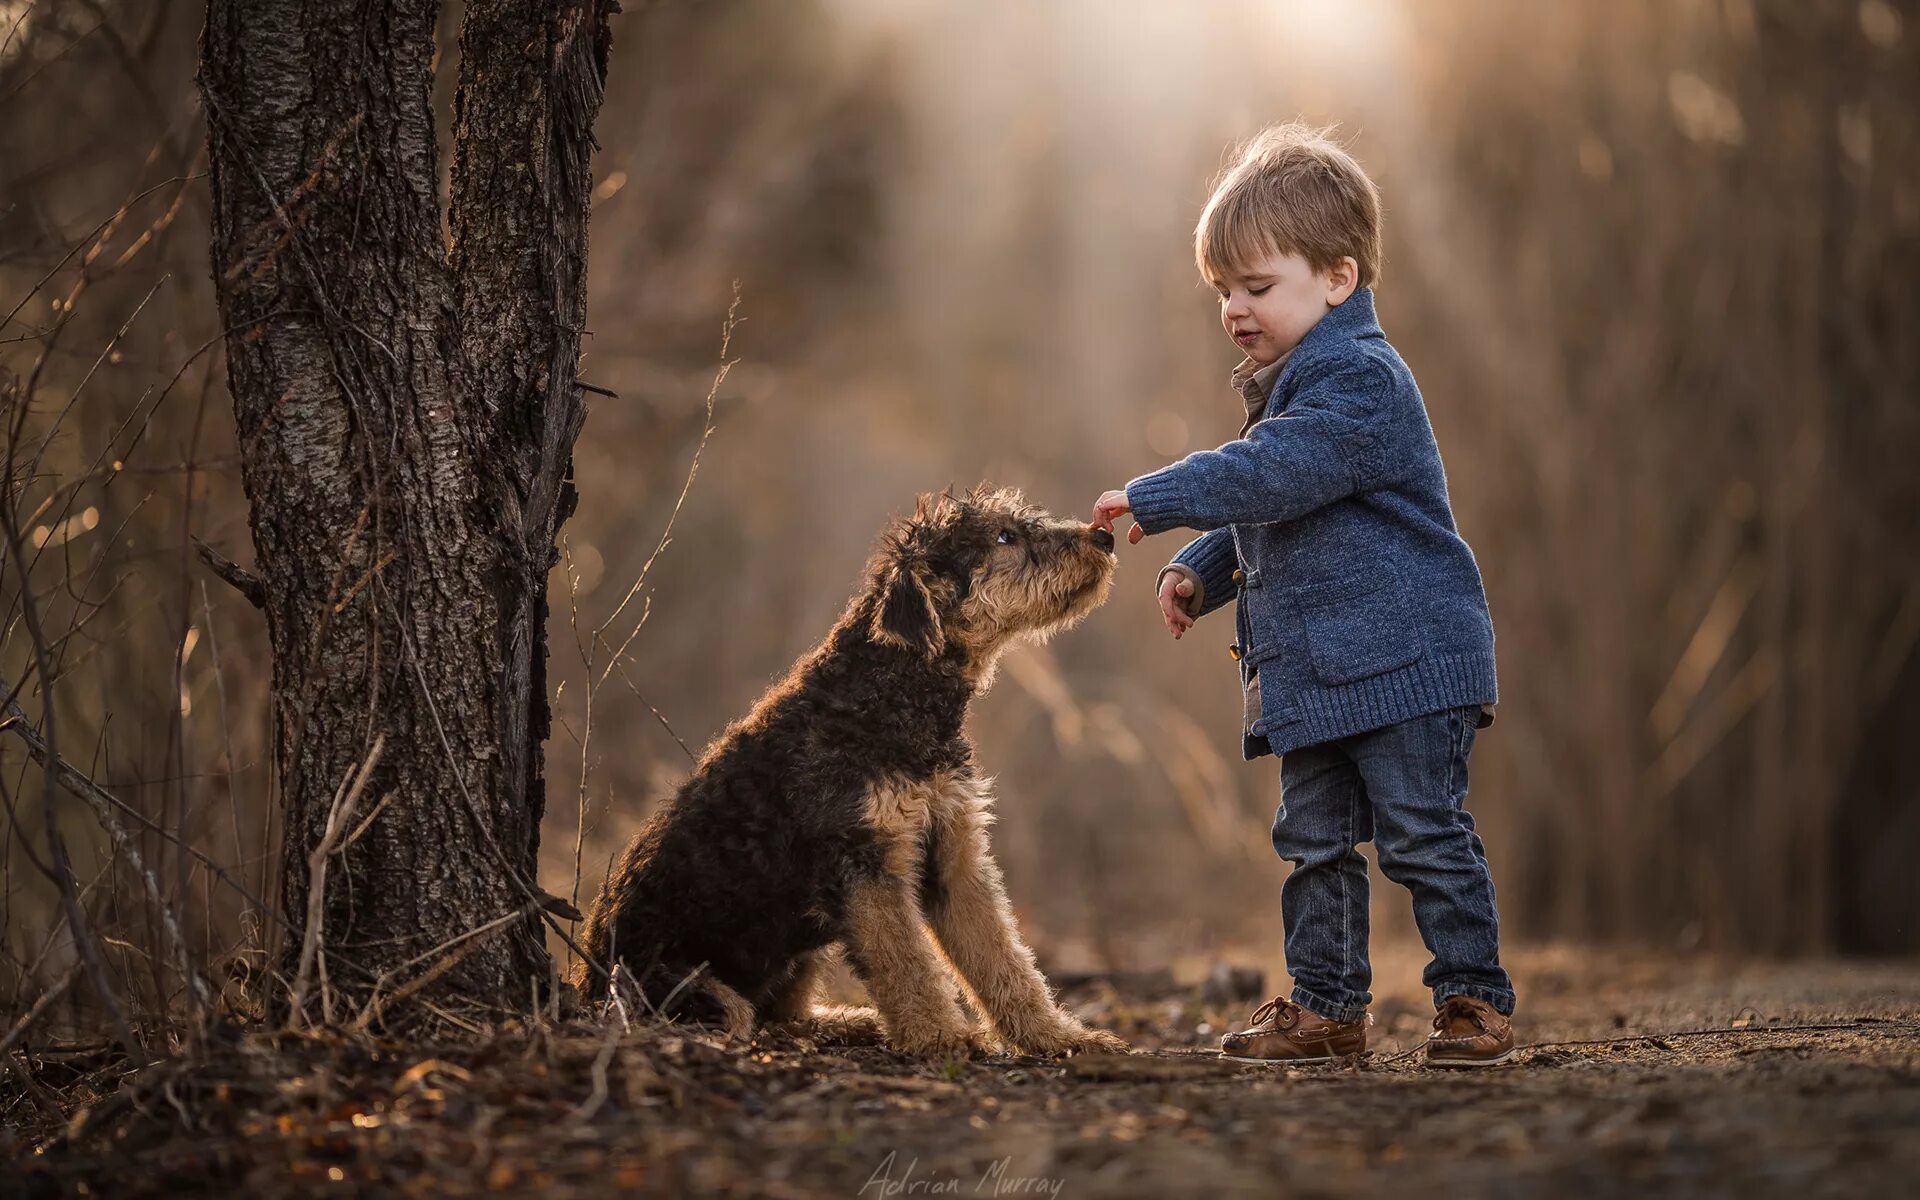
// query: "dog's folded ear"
[[904, 614]]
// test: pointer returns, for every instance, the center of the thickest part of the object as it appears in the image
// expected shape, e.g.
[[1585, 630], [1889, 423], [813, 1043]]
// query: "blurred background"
[[1656, 267]]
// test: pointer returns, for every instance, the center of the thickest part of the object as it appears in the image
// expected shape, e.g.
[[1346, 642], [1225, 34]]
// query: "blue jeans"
[[1404, 789]]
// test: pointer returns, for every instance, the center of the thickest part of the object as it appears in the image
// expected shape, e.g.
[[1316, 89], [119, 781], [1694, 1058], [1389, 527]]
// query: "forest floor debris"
[[1639, 1076]]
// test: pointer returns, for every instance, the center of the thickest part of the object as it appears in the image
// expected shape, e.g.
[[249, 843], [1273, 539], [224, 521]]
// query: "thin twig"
[[47, 1000], [693, 467], [598, 1096], [344, 799], [367, 823], [657, 715]]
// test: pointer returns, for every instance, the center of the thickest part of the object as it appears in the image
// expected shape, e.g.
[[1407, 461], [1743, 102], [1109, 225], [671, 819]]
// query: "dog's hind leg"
[[892, 954], [970, 914], [792, 998]]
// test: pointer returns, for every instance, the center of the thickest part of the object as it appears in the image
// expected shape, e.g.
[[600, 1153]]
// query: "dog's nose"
[[1102, 539]]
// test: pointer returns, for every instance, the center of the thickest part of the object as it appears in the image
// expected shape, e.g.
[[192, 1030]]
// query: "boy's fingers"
[[1184, 587], [1135, 534]]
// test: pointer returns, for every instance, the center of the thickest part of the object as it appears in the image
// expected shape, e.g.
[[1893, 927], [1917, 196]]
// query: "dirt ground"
[[1809, 1087]]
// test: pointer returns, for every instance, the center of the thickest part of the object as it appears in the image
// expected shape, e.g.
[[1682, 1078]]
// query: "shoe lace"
[[1457, 1008], [1272, 1008]]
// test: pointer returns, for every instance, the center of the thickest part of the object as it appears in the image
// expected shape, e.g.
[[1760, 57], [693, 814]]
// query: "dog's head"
[[971, 573]]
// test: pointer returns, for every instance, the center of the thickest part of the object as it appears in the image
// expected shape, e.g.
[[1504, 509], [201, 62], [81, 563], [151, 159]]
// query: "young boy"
[[1363, 639]]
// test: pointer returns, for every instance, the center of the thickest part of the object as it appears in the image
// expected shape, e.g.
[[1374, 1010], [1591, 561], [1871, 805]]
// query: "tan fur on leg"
[[975, 925], [849, 1024], [903, 972]]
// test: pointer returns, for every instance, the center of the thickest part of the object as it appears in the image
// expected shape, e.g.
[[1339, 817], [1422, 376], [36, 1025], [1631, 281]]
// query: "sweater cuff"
[[1194, 603], [1158, 501]]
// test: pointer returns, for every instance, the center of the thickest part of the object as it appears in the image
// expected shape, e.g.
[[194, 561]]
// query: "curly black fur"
[[749, 867]]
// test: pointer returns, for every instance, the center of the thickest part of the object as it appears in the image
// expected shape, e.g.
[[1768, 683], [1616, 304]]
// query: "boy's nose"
[[1101, 538]]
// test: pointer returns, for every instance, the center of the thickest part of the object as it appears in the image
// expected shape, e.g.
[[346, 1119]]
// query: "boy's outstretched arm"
[[1197, 581], [1336, 437]]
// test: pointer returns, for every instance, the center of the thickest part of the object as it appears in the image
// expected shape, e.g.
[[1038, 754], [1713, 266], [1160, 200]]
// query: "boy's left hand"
[[1111, 505]]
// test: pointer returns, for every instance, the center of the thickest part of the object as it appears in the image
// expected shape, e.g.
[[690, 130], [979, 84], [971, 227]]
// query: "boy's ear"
[[1343, 280], [904, 614]]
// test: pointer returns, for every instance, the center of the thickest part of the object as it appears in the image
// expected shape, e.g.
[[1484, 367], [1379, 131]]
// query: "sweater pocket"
[[1358, 626]]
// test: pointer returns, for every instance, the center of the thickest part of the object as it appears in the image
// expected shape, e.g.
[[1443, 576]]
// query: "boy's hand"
[[1111, 505], [1175, 590]]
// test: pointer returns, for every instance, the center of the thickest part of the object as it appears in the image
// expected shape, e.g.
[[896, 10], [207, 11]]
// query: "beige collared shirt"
[[1255, 384]]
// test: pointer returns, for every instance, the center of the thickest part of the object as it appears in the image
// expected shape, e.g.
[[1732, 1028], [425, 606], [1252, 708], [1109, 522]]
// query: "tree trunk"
[[406, 414]]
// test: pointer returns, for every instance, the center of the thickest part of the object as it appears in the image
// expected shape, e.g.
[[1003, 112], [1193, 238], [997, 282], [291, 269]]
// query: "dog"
[[845, 813]]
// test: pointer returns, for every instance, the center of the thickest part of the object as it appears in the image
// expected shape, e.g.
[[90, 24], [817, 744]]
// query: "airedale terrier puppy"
[[846, 809]]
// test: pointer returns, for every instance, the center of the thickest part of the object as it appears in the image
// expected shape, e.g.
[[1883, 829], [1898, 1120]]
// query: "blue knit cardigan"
[[1359, 604]]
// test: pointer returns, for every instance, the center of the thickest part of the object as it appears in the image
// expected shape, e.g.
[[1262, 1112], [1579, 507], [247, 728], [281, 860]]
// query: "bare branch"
[[47, 1000], [242, 580]]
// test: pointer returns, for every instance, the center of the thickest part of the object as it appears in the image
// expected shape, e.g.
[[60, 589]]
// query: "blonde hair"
[[1291, 190]]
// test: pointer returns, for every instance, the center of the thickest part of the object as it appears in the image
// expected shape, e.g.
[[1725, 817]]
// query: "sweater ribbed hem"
[[1158, 501], [1327, 713]]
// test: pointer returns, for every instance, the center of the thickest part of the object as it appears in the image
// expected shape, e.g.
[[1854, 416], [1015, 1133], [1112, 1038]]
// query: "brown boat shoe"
[[1469, 1032], [1284, 1032]]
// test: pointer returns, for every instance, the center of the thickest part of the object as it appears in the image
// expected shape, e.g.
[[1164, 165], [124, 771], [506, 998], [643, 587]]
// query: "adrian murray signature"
[[996, 1180]]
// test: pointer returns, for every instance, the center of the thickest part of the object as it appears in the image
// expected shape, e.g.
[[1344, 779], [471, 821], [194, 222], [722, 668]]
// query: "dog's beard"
[[1074, 605]]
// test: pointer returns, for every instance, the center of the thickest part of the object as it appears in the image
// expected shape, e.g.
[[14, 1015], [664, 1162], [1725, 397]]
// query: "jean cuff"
[[1501, 999], [1320, 1006]]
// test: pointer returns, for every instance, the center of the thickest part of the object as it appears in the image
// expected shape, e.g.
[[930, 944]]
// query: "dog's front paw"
[[940, 1045], [1070, 1037], [1100, 1040]]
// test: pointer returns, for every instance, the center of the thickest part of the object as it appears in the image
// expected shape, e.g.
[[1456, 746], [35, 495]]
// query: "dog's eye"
[[1005, 538]]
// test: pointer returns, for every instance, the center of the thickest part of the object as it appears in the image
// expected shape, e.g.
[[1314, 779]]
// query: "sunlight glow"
[[1357, 35]]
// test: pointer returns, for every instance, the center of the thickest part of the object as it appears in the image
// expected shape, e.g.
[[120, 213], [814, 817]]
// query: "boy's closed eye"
[[1253, 289]]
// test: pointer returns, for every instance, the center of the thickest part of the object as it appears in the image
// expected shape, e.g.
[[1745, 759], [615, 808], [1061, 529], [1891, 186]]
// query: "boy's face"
[[1268, 305]]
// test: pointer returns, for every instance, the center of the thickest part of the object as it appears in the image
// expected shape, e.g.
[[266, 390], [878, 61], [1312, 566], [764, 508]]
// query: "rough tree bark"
[[406, 408]]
